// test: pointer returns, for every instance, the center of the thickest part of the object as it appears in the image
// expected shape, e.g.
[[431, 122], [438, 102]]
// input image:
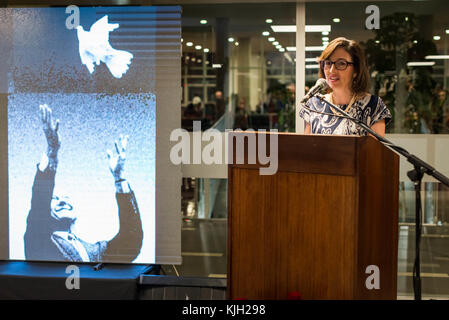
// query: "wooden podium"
[[313, 228]]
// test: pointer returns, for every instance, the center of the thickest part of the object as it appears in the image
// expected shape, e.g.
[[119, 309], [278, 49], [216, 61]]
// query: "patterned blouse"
[[370, 109]]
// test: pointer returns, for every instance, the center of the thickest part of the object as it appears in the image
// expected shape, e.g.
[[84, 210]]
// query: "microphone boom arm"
[[414, 160], [415, 175]]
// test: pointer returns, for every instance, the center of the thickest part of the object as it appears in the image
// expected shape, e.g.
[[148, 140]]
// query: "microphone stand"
[[415, 175]]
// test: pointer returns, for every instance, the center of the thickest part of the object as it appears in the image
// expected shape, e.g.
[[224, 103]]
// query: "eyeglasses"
[[340, 64]]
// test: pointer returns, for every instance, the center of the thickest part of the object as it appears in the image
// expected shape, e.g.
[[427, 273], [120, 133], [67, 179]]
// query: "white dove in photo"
[[94, 47]]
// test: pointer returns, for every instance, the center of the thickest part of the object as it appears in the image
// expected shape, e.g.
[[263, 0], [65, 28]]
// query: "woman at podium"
[[343, 66]]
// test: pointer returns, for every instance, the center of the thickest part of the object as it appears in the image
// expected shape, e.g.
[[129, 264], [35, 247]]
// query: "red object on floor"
[[294, 295]]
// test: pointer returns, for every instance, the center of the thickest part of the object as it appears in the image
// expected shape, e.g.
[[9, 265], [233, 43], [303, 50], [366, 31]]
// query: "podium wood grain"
[[314, 227]]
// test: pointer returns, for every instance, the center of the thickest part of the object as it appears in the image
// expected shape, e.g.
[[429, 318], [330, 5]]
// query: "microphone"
[[319, 85]]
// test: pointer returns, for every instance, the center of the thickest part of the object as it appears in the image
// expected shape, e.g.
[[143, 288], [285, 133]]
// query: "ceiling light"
[[236, 43], [269, 20], [440, 57], [325, 38], [265, 33], [271, 39], [189, 44], [275, 43], [447, 31], [203, 21], [310, 60], [198, 47], [206, 50], [216, 65], [282, 50], [436, 37], [420, 64], [312, 66], [309, 28], [231, 39], [336, 20], [278, 46], [325, 33], [312, 48], [318, 28]]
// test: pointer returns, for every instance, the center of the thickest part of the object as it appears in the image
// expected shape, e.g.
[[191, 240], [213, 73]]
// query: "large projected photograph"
[[81, 134]]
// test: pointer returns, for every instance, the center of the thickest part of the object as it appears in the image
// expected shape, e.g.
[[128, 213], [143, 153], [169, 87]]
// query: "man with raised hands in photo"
[[50, 231]]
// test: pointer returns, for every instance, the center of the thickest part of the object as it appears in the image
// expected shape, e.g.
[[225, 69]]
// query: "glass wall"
[[407, 55], [233, 60], [239, 65]]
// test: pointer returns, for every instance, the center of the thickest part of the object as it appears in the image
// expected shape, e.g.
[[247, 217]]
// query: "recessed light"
[[325, 38], [311, 48], [189, 44], [442, 56], [275, 43], [236, 43], [269, 20], [420, 64], [271, 39], [282, 50], [198, 47], [265, 33], [312, 66], [203, 21], [325, 33], [447, 31], [336, 20], [231, 39], [309, 28], [436, 37], [206, 49]]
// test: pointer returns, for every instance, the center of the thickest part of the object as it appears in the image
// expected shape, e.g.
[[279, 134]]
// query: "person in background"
[[219, 104], [194, 109], [241, 116]]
